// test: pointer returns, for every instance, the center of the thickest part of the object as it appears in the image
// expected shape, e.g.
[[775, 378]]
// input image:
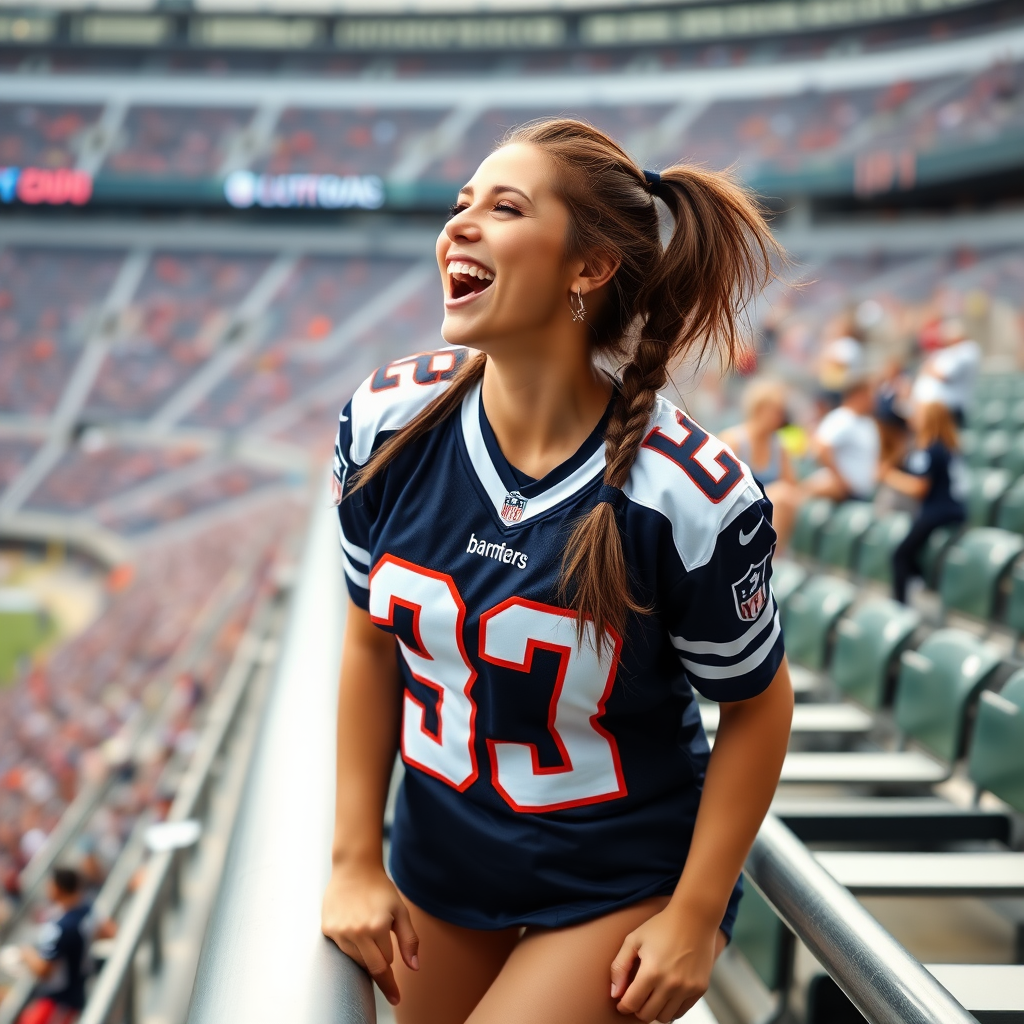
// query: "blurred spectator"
[[60, 960], [847, 444], [756, 441], [891, 400], [948, 376], [840, 359], [934, 475]]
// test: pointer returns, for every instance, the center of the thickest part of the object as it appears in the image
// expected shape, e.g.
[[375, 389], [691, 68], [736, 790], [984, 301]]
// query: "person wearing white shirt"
[[948, 376], [846, 444]]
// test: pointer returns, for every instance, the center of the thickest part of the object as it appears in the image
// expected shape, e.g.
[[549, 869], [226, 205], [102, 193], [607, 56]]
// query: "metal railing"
[[879, 976], [264, 958], [114, 996]]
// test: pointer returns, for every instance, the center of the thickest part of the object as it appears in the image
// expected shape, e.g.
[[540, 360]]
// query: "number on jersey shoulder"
[[424, 368], [685, 454]]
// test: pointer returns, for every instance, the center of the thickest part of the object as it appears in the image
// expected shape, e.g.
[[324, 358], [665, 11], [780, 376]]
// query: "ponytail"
[[662, 303], [717, 259]]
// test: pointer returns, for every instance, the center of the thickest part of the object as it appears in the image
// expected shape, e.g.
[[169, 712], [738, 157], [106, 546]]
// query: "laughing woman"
[[544, 561]]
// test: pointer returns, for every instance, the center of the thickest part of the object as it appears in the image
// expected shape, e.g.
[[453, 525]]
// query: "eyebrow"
[[500, 188]]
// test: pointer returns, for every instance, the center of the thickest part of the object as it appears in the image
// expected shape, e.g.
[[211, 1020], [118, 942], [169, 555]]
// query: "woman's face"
[[502, 254]]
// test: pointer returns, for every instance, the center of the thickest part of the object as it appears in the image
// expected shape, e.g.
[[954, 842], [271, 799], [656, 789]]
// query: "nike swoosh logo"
[[746, 538]]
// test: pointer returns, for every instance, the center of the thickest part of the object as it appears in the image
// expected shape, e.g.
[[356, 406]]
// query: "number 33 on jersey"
[[502, 706]]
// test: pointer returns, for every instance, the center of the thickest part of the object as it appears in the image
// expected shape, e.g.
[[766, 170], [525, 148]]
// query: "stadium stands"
[[44, 135]]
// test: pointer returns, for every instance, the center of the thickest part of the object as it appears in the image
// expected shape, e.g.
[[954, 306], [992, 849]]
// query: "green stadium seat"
[[937, 685], [810, 519], [970, 445], [1015, 420], [810, 615], [997, 745], [975, 568], [988, 415], [986, 490], [934, 554], [840, 536], [994, 447], [867, 648], [1015, 600], [787, 576], [874, 553], [1011, 509], [1013, 460]]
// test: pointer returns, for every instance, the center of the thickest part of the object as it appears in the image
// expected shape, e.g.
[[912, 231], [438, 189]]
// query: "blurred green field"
[[21, 633]]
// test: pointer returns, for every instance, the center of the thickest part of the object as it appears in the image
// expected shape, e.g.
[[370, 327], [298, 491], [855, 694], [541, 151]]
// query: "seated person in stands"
[[933, 474], [948, 376], [756, 442], [60, 960], [846, 444]]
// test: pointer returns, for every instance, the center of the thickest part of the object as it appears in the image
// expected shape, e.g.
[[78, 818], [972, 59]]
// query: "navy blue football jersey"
[[547, 783]]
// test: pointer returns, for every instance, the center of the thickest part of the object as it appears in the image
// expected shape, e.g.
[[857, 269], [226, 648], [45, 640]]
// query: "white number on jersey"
[[438, 614], [590, 771]]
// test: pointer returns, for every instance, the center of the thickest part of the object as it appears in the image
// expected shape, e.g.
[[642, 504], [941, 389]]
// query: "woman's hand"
[[664, 966], [361, 909]]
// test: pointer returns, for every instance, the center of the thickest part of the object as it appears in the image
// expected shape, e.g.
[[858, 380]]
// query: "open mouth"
[[467, 279]]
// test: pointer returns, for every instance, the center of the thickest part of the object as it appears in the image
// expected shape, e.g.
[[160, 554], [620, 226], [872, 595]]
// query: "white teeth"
[[470, 270]]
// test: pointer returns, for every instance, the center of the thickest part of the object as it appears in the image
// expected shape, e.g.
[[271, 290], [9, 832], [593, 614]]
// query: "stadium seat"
[[810, 615], [841, 534], [1015, 419], [975, 568], [1011, 509], [994, 447], [989, 415], [937, 685], [986, 489], [813, 515], [1013, 460], [934, 554], [874, 553], [787, 576], [996, 762], [1014, 617], [970, 445], [867, 648]]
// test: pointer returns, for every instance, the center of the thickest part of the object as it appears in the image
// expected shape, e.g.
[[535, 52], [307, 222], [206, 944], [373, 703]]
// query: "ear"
[[594, 273]]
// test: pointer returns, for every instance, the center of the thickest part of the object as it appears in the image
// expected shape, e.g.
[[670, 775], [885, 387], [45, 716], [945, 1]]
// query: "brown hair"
[[937, 424], [662, 302]]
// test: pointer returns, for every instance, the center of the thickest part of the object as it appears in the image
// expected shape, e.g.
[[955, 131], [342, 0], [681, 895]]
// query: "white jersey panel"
[[658, 482]]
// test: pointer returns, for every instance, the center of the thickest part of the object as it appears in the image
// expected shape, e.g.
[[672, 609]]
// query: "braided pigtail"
[[662, 304], [436, 412]]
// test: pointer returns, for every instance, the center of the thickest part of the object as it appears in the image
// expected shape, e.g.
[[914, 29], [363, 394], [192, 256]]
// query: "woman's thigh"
[[457, 966], [563, 975]]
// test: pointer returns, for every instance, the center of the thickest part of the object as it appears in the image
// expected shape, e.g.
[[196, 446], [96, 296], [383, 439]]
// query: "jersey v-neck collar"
[[498, 478]]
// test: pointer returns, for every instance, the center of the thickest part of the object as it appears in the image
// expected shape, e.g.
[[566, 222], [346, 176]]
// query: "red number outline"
[[526, 666], [658, 441], [425, 653]]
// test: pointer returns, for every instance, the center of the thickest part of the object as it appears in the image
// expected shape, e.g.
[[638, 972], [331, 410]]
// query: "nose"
[[463, 227]]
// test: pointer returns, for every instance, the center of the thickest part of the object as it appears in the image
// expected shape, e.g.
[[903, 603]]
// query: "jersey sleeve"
[[356, 514], [722, 617], [52, 941]]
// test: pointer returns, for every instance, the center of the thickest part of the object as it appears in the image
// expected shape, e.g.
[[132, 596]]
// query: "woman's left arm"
[[677, 947]]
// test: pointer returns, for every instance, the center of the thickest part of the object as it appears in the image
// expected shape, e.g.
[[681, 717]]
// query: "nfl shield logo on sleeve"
[[751, 593], [512, 510]]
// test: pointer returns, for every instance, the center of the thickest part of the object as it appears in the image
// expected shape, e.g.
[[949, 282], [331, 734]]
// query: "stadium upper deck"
[[387, 124]]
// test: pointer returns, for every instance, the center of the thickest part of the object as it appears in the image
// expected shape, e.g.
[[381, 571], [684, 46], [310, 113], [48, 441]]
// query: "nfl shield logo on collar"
[[750, 593], [512, 510]]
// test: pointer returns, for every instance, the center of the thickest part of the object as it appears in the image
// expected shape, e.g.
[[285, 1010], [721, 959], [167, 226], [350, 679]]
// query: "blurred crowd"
[[76, 715]]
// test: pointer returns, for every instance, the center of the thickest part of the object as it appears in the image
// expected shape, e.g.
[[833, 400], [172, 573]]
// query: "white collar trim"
[[491, 481]]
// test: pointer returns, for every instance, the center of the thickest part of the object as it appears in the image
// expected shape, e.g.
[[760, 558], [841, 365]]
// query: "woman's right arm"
[[361, 906]]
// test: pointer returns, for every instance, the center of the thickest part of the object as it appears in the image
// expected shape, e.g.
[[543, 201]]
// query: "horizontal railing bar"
[[144, 910], [880, 977]]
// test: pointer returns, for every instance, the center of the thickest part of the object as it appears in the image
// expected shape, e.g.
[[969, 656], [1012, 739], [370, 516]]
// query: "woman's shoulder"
[[394, 394], [693, 479]]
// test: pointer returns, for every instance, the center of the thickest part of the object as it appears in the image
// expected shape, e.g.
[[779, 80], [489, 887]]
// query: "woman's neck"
[[542, 409]]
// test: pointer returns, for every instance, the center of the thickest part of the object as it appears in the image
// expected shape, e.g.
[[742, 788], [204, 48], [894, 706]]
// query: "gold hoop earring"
[[579, 311]]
